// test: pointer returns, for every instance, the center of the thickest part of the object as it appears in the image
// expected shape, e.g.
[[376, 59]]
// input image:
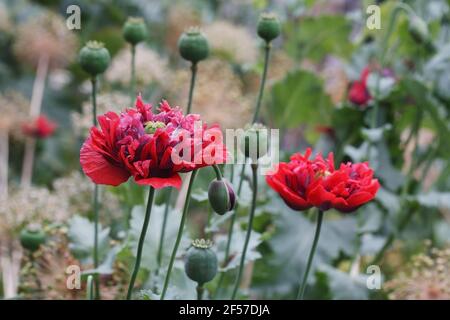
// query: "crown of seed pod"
[[269, 26], [201, 262], [253, 143], [94, 58], [32, 237], [193, 45], [134, 30], [221, 196]]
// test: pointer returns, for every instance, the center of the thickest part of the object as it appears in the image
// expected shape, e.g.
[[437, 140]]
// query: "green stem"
[[89, 288], [249, 229], [230, 233], [302, 288], [263, 81], [94, 101], [163, 230], [148, 211], [180, 233], [217, 171], [96, 193], [133, 74], [200, 290], [191, 89]]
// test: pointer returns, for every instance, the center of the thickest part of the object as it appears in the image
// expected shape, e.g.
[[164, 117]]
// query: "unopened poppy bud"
[[268, 26], [193, 45], [253, 143], [151, 126], [32, 237], [134, 30], [201, 262], [221, 196], [94, 58]]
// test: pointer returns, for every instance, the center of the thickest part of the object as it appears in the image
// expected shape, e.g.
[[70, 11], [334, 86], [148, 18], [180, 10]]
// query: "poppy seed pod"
[[221, 196], [193, 45], [253, 144], [268, 27], [94, 58], [32, 237], [201, 262], [134, 30]]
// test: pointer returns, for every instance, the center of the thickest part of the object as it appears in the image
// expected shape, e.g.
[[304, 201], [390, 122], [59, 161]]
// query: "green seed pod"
[[269, 27], [221, 196], [193, 45], [201, 262], [253, 144], [134, 30], [94, 58], [32, 237]]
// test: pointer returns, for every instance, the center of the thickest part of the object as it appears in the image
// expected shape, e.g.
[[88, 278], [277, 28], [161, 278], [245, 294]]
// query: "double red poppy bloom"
[[39, 128], [304, 183], [359, 93], [153, 148]]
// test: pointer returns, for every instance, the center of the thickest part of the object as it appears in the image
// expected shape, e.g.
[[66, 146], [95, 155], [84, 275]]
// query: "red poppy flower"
[[39, 128], [303, 183], [153, 148], [359, 93]]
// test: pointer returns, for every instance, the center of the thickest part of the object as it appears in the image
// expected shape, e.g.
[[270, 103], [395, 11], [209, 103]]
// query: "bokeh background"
[[322, 53]]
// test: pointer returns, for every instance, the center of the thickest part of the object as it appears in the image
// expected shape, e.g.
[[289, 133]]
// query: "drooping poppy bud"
[[221, 196], [94, 58], [32, 237], [269, 26], [201, 262], [134, 30], [253, 144], [193, 45]]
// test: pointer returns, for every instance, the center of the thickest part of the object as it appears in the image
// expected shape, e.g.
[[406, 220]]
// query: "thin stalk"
[[230, 233], [4, 155], [217, 171], [163, 230], [37, 96], [191, 89], [249, 229], [133, 74], [200, 291], [96, 194], [302, 288], [263, 81], [148, 211], [89, 288], [180, 233]]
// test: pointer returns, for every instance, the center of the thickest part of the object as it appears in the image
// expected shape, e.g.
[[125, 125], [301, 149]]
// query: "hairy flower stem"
[[148, 211], [180, 233], [263, 81], [96, 194], [230, 233], [249, 229], [163, 230], [192, 85], [133, 74], [302, 288]]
